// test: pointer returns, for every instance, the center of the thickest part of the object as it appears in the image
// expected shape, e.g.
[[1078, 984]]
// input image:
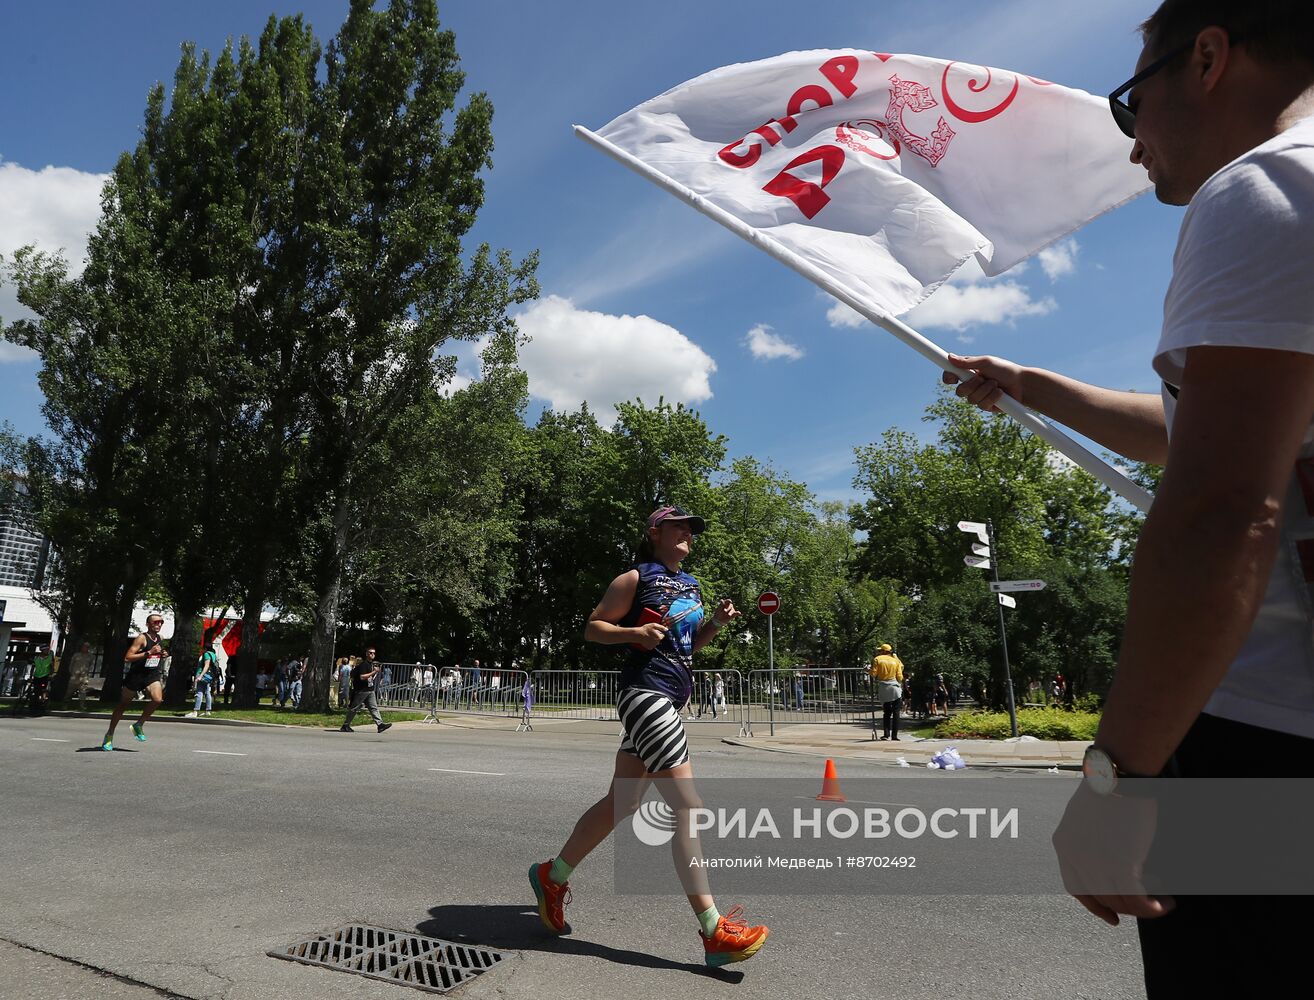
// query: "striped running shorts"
[[653, 730]]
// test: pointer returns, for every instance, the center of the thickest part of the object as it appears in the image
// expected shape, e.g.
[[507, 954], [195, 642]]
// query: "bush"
[[1088, 702], [1042, 723]]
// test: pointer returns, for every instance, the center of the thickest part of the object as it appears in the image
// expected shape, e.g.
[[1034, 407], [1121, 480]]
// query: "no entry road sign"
[[769, 603]]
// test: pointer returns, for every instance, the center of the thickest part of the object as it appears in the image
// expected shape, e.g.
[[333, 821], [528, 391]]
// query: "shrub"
[[1042, 723]]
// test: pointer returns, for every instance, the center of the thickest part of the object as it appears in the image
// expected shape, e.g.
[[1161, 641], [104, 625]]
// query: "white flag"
[[887, 171]]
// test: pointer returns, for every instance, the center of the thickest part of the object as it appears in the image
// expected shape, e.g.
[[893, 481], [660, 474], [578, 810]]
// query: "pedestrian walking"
[[363, 676], [207, 676]]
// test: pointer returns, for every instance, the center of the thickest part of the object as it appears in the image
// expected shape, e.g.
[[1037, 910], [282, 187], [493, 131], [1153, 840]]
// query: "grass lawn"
[[279, 716]]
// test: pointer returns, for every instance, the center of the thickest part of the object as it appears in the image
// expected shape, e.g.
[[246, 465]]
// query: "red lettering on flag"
[[809, 197], [840, 71]]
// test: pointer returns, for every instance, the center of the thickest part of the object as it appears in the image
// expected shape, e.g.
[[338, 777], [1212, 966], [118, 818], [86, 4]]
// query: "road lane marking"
[[865, 802], [221, 753], [455, 770], [47, 739]]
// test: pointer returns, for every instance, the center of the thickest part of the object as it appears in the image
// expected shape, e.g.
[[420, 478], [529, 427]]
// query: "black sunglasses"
[[1123, 113]]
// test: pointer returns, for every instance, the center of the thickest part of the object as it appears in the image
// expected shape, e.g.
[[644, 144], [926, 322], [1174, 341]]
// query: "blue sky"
[[75, 78]]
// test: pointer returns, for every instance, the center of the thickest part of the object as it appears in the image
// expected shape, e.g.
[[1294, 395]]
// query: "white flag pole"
[[1042, 428]]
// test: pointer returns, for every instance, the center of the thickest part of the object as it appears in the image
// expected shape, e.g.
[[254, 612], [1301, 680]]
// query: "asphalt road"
[[176, 864]]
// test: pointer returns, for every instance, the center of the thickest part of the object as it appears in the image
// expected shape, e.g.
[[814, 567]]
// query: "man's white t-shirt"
[[1243, 276]]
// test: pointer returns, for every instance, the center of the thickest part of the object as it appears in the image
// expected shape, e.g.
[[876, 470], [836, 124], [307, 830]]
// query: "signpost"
[[984, 557], [975, 528], [769, 604], [1007, 601], [1013, 586]]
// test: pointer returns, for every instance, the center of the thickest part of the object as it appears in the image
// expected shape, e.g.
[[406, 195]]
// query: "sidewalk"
[[853, 742], [837, 740]]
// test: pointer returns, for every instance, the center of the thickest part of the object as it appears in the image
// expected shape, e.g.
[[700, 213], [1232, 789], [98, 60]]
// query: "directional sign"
[[1005, 586], [977, 562], [980, 550], [974, 528], [769, 603], [1007, 601]]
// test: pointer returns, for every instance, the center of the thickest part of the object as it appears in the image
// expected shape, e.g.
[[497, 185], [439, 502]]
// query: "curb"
[[1031, 765], [65, 714]]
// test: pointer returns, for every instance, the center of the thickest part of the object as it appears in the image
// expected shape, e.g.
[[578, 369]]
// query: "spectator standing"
[[344, 681], [43, 665], [230, 681], [296, 672], [707, 698], [79, 675], [886, 672]]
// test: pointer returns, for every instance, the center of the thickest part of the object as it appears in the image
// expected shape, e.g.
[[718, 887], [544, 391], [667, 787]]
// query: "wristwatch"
[[1102, 775]]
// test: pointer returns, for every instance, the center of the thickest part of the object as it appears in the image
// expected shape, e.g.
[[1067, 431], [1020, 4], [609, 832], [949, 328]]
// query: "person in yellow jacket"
[[886, 673]]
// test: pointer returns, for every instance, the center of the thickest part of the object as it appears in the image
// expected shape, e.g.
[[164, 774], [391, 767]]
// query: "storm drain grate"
[[394, 956]]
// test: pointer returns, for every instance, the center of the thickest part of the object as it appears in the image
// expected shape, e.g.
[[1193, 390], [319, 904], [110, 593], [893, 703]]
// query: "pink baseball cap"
[[696, 524]]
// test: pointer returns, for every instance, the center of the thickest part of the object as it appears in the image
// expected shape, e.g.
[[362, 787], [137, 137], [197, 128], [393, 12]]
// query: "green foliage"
[[1052, 521], [1042, 723]]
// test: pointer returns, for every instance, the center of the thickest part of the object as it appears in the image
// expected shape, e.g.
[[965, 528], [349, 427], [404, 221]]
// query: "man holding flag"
[[877, 175], [1215, 678]]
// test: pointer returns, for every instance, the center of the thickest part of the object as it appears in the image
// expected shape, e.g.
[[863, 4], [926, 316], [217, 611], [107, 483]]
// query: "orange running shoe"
[[733, 940], [552, 898]]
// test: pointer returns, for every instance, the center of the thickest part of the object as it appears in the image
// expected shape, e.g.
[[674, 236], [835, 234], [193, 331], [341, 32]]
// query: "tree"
[[1049, 517], [398, 192]]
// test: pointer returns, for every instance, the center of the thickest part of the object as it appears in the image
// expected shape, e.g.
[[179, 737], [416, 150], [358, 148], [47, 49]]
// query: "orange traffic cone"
[[830, 789]]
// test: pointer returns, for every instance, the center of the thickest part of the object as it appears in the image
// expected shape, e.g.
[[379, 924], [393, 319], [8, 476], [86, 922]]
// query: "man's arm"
[[1129, 423], [137, 651], [1208, 546]]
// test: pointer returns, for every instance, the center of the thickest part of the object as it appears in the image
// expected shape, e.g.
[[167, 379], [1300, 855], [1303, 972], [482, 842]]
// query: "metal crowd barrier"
[[843, 695], [590, 696], [456, 691]]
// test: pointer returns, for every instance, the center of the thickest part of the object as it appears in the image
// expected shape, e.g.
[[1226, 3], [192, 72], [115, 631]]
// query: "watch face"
[[1098, 768]]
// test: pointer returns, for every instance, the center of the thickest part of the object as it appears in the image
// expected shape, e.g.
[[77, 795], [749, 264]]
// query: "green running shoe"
[[136, 731], [107, 745]]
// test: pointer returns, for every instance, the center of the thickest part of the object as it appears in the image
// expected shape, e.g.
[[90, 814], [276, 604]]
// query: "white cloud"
[[958, 307], [55, 208], [1059, 260], [575, 355], [971, 299], [966, 300], [767, 346], [840, 315]]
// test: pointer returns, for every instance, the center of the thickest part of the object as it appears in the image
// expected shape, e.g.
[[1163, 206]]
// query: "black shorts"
[[138, 678]]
